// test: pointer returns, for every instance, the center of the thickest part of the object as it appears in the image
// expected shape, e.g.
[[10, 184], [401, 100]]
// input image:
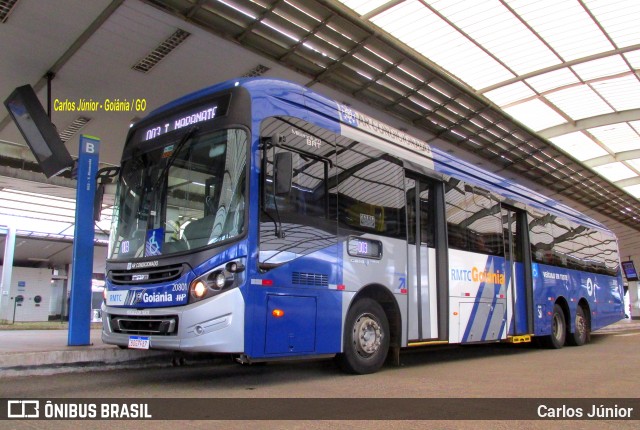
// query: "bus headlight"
[[215, 281], [220, 281]]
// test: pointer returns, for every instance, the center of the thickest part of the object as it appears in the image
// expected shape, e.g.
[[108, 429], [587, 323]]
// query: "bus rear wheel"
[[558, 329], [580, 336], [366, 338]]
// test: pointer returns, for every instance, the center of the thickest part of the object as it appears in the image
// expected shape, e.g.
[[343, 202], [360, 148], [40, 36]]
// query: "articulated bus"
[[260, 219]]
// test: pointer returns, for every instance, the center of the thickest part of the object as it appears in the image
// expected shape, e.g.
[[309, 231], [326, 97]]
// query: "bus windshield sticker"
[[153, 245], [367, 221], [311, 141], [167, 151]]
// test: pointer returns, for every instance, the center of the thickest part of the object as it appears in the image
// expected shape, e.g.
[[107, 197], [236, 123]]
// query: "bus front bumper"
[[213, 325]]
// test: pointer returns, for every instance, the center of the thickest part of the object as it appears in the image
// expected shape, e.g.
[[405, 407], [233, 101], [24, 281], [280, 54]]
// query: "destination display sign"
[[207, 112], [629, 270], [368, 248]]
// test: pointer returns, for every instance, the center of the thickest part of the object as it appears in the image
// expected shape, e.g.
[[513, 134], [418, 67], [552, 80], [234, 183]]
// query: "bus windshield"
[[186, 194]]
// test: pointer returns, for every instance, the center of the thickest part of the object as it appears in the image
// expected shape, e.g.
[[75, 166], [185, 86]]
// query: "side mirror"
[[97, 203], [283, 171], [103, 180]]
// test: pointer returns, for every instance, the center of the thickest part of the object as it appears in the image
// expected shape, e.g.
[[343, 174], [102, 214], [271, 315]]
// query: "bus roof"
[[444, 163]]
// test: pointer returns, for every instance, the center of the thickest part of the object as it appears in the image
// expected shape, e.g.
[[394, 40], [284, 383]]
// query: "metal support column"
[[82, 269], [634, 300], [7, 269]]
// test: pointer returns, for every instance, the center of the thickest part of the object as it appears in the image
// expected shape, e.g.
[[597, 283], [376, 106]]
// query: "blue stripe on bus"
[[489, 267]]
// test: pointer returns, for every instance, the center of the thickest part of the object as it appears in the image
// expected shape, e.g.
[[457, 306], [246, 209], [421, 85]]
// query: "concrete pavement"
[[25, 352]]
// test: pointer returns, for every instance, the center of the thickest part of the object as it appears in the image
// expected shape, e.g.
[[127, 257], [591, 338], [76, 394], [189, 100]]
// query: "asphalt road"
[[605, 368]]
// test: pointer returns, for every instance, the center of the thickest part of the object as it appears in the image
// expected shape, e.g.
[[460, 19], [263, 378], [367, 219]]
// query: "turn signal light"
[[277, 313], [199, 289]]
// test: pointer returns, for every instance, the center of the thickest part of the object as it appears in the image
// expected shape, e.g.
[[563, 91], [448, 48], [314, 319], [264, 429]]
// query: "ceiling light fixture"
[[6, 6], [73, 128], [259, 70], [154, 57]]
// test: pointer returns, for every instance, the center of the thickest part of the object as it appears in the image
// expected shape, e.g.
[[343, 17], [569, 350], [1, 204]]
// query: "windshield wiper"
[[188, 135]]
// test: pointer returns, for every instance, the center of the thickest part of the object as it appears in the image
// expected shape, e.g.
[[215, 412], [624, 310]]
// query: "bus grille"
[[147, 275], [145, 325], [314, 279]]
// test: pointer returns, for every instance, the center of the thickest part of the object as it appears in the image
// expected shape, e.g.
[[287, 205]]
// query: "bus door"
[[421, 260], [477, 275], [514, 223]]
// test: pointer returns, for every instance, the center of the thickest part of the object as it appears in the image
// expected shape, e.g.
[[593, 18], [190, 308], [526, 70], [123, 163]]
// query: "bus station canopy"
[[544, 92], [547, 89]]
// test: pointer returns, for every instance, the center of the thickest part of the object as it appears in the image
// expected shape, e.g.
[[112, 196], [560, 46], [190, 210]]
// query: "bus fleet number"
[[180, 287]]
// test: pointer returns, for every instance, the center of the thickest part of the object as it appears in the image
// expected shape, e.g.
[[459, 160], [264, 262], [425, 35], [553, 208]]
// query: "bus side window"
[[473, 219], [456, 214], [371, 194], [296, 221]]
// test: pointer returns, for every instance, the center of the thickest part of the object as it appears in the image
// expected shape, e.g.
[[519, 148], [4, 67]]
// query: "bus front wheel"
[[366, 338]]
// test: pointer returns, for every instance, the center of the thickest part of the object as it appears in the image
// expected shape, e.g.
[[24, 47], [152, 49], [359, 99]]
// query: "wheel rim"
[[581, 326], [558, 327], [367, 335]]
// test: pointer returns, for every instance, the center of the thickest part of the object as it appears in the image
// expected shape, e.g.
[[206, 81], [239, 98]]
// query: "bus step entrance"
[[524, 338]]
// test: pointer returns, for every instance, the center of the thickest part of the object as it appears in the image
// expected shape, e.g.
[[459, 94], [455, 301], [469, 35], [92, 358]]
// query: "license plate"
[[138, 342]]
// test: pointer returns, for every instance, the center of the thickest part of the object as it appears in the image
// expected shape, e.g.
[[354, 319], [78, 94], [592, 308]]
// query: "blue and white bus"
[[261, 219]]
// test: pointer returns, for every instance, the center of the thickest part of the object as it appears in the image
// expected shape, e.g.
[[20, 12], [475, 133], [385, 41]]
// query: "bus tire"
[[558, 329], [366, 338], [580, 336]]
